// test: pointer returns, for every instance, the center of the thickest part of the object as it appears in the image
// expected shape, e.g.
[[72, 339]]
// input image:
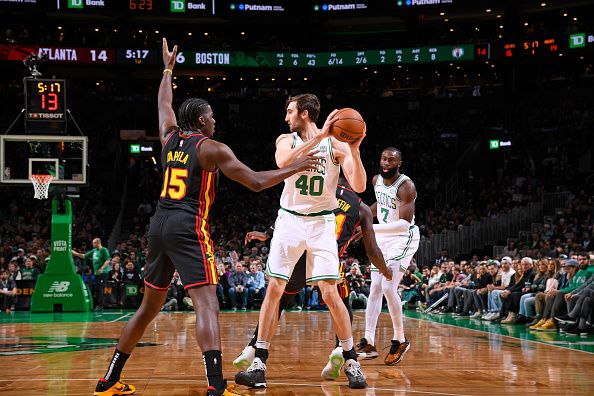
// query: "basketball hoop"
[[41, 185]]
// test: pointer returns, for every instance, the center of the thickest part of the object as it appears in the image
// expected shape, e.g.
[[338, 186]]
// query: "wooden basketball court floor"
[[65, 354]]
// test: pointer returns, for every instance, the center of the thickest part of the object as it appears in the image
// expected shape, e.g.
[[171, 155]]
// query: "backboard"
[[63, 157]]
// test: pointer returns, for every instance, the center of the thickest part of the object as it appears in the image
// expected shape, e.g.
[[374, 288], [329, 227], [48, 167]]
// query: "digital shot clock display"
[[45, 99]]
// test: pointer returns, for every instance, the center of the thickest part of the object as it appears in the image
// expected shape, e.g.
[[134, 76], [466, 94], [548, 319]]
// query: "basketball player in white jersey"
[[398, 238], [306, 223]]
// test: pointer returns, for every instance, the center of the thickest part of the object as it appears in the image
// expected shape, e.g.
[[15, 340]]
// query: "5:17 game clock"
[[45, 99]]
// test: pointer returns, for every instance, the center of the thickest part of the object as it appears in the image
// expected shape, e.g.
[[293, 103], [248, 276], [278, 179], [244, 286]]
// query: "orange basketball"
[[349, 126]]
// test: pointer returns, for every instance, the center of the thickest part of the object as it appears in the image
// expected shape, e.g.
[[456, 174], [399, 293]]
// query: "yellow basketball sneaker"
[[549, 325], [228, 391], [537, 325], [119, 387]]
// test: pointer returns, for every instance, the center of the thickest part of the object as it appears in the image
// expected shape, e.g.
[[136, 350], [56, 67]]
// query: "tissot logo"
[[59, 287]]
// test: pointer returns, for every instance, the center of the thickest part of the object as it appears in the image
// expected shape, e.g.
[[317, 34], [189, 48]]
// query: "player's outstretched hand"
[[169, 56], [330, 120], [386, 272], [356, 143], [250, 236], [310, 161]]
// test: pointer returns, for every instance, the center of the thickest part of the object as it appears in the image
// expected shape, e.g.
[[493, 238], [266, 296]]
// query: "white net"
[[41, 185]]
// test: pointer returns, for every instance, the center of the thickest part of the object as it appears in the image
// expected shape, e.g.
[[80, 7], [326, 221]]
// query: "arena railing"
[[491, 229]]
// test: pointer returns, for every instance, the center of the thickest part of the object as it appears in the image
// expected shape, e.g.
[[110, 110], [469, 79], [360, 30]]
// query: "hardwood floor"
[[67, 354]]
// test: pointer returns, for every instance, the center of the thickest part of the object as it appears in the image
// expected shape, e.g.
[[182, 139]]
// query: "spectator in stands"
[[223, 285], [480, 294], [522, 285], [575, 298], [99, 256], [356, 284], [180, 291], [510, 250], [130, 274], [409, 286], [171, 302], [132, 257], [20, 258], [439, 288], [13, 272], [8, 292], [505, 277], [466, 294], [526, 312], [238, 286], [555, 303], [29, 272], [256, 283], [555, 280], [116, 279]]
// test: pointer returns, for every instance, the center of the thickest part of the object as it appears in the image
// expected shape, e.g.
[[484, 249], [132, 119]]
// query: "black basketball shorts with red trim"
[[179, 240]]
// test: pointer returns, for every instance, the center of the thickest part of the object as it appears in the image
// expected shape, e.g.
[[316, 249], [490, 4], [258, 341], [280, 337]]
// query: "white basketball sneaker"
[[245, 358], [334, 365]]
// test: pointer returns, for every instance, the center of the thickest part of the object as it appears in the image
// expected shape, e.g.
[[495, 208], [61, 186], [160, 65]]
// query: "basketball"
[[349, 126]]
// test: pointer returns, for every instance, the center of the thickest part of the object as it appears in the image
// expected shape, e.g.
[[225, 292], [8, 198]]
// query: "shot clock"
[[45, 100]]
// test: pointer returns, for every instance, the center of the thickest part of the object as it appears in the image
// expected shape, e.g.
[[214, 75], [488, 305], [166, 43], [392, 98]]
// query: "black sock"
[[254, 338], [350, 354], [262, 354], [115, 367], [213, 362]]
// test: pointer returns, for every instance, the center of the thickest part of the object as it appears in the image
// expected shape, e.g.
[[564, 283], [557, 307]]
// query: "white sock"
[[263, 344], [347, 345], [374, 306], [390, 289]]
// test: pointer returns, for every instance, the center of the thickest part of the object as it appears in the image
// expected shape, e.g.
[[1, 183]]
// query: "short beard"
[[389, 173]]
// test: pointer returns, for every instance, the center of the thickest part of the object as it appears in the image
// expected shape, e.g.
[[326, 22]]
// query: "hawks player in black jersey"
[[350, 214], [179, 237]]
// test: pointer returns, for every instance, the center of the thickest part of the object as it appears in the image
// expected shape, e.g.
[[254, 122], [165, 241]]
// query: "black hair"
[[189, 112], [393, 149]]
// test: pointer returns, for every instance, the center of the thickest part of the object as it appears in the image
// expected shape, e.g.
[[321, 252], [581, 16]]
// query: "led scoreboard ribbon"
[[447, 53]]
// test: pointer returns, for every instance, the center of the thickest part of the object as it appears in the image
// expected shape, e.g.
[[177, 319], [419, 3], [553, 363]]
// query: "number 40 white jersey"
[[313, 192]]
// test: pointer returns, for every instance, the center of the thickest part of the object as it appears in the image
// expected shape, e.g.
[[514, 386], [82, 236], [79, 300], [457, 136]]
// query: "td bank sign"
[[580, 40]]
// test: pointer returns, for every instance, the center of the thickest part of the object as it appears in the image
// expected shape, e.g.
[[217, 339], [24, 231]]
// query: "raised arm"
[[373, 251], [218, 155], [352, 166], [285, 154], [167, 120], [407, 193]]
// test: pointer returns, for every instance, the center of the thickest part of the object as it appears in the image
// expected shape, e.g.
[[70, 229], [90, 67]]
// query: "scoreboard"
[[110, 56], [45, 100]]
